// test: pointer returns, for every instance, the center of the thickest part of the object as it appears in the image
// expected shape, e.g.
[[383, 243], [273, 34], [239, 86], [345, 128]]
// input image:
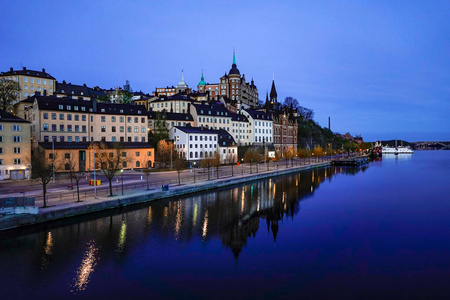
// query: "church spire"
[[234, 58], [273, 93]]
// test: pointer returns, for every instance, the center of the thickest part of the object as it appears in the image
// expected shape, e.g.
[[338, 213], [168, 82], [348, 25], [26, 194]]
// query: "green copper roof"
[[202, 82], [234, 59]]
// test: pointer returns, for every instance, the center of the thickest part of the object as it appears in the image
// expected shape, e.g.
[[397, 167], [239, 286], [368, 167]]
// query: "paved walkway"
[[61, 200]]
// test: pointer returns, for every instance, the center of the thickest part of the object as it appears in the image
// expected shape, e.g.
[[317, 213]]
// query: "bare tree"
[[216, 162], [110, 159], [179, 165], [290, 103], [251, 156], [147, 173], [9, 93], [230, 159], [74, 172], [207, 163], [305, 113], [42, 170]]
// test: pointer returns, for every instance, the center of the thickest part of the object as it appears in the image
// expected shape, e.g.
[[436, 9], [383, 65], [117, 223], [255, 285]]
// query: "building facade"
[[81, 155], [234, 86], [68, 120], [15, 147], [31, 81]]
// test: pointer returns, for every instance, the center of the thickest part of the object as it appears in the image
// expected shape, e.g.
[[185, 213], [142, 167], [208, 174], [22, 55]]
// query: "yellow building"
[[68, 120], [31, 82], [81, 155], [15, 147]]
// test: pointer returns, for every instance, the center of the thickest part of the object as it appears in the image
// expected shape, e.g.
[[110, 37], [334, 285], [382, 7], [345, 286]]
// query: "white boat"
[[396, 150]]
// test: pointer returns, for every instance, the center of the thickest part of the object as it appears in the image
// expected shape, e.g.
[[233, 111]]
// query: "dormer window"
[[61, 106], [139, 111], [73, 92], [81, 93], [121, 111], [68, 107], [62, 91], [75, 107], [83, 108], [90, 109], [102, 110]]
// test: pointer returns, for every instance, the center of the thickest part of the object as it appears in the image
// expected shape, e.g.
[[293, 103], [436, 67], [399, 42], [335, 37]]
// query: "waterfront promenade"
[[62, 201]]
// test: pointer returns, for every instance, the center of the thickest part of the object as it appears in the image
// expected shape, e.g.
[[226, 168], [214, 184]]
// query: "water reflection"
[[48, 251], [86, 268]]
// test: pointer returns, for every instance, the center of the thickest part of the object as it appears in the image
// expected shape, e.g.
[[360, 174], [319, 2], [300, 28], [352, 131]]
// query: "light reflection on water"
[[86, 268], [328, 227]]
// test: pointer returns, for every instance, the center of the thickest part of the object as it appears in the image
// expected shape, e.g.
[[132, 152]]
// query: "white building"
[[261, 126], [194, 143]]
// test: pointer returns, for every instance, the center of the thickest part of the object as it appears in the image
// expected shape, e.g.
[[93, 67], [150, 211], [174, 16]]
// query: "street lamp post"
[[171, 159], [53, 156], [194, 170], [95, 178], [121, 173], [242, 165]]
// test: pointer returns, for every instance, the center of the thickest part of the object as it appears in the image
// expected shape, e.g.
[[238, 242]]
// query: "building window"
[[53, 116], [53, 127], [61, 138], [17, 150], [77, 139], [113, 139], [45, 116], [77, 128], [25, 79], [138, 164], [149, 153], [129, 129], [113, 129], [136, 129], [17, 161], [61, 116], [129, 119], [77, 117], [103, 129], [16, 128], [83, 128], [124, 154], [103, 118], [69, 127], [113, 119], [83, 118], [124, 164], [61, 127], [69, 117], [45, 127], [122, 119], [121, 128]]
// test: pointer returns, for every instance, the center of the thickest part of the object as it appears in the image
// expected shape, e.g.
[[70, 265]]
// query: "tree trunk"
[[78, 191], [232, 173], [147, 183], [179, 181], [44, 192], [110, 186]]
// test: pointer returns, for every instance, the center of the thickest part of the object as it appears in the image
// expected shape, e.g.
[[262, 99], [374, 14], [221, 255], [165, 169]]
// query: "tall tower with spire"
[[234, 86]]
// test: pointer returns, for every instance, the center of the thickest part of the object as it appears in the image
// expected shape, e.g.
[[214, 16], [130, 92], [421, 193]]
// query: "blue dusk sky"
[[380, 69]]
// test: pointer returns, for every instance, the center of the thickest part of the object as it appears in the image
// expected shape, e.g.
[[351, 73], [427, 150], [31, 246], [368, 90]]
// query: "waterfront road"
[[61, 191]]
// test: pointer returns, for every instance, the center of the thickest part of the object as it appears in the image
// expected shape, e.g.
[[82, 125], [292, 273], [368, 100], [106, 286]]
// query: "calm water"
[[380, 231]]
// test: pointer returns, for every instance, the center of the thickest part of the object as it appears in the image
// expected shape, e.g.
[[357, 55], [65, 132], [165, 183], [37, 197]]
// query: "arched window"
[[149, 164], [190, 155], [67, 167], [196, 154], [138, 164], [201, 154]]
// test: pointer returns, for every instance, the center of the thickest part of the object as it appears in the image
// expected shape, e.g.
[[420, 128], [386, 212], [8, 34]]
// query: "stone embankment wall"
[[77, 209]]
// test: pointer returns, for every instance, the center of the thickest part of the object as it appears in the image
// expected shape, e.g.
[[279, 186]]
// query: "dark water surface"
[[378, 231]]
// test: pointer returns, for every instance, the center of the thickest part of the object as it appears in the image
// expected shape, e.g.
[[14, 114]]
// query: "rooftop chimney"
[[24, 68], [11, 69], [43, 70]]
